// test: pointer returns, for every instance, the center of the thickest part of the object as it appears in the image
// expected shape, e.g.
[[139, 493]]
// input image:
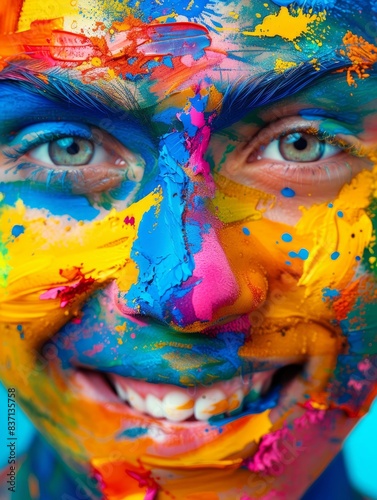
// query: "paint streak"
[[362, 56]]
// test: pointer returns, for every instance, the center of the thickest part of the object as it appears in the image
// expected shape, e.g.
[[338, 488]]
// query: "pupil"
[[73, 149], [301, 144]]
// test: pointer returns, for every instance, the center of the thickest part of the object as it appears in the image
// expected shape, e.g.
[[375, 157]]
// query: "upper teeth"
[[177, 404]]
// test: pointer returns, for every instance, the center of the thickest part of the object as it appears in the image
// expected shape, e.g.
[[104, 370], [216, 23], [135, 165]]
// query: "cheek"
[[50, 265]]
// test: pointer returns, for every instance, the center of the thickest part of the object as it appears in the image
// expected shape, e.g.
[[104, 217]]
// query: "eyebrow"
[[245, 96], [55, 87]]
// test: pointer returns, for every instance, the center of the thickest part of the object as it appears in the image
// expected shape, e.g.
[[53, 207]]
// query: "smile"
[[240, 395]]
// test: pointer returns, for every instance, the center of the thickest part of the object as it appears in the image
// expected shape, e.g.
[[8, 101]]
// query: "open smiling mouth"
[[218, 402]]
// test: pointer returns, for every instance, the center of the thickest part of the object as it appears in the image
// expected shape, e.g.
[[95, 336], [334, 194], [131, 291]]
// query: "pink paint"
[[268, 459], [53, 293], [133, 335], [218, 286], [129, 220], [310, 417], [358, 385], [145, 479], [68, 293], [364, 365], [197, 117], [95, 350], [198, 146]]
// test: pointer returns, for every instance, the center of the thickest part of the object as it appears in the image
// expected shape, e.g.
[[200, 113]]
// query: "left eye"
[[299, 147], [70, 152]]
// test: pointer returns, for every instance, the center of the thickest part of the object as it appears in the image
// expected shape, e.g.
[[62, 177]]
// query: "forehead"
[[156, 48]]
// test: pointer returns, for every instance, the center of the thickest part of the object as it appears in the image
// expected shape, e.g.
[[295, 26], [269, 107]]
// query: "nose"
[[185, 277]]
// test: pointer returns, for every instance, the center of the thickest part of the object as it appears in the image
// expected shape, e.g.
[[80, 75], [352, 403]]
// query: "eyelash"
[[16, 152]]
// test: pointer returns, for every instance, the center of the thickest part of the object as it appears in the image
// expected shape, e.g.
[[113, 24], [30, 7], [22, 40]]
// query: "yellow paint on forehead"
[[77, 15], [284, 24], [42, 10], [282, 66]]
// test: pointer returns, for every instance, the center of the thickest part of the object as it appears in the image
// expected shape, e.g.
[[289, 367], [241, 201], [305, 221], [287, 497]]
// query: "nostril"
[[128, 312]]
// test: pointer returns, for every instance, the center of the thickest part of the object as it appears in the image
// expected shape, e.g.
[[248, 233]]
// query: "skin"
[[189, 251]]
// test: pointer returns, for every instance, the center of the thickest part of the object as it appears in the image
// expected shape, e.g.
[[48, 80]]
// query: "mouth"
[[218, 402]]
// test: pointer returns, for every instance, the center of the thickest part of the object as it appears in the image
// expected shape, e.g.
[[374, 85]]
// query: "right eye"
[[299, 147], [85, 162]]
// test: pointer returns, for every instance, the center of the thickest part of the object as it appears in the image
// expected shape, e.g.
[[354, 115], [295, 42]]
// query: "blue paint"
[[289, 263], [315, 113], [308, 5], [330, 205], [282, 3], [246, 231], [302, 254], [358, 258], [339, 213], [288, 192], [329, 292], [151, 10], [17, 229], [145, 356], [286, 237], [177, 39], [133, 433], [168, 61], [334, 255], [78, 207]]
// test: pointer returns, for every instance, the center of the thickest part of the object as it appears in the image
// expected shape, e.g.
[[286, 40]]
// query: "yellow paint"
[[330, 233], [284, 24], [282, 66], [234, 15], [234, 201], [100, 249], [246, 430], [44, 10]]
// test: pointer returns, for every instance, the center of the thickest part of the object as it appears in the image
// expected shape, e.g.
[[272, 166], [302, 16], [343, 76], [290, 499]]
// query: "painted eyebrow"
[[56, 88], [245, 96]]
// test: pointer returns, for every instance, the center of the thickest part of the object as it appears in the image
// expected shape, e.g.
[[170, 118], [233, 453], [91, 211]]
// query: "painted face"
[[188, 285]]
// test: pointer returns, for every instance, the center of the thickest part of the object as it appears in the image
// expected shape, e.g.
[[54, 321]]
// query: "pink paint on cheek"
[[218, 286]]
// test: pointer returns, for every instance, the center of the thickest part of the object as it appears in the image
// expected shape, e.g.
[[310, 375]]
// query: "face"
[[188, 300]]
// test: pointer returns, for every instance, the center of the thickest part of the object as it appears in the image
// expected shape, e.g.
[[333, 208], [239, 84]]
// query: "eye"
[[300, 147], [73, 158], [69, 152]]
